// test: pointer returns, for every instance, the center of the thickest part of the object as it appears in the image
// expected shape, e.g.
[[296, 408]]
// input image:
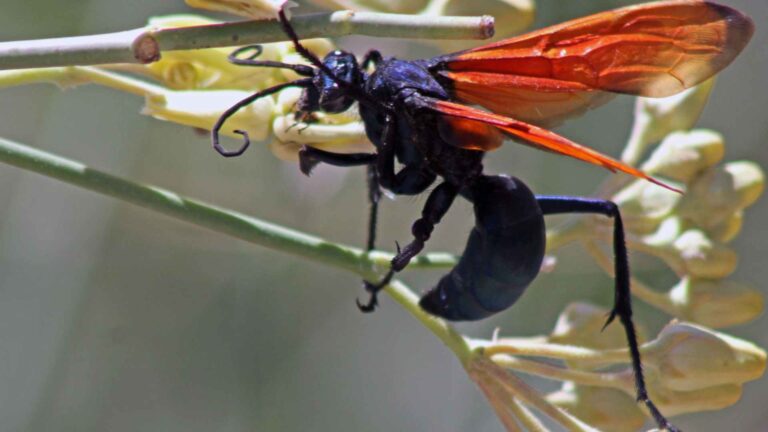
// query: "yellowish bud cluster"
[[688, 368], [690, 232]]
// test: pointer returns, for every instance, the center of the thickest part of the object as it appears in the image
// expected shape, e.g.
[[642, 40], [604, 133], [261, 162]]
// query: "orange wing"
[[466, 122], [654, 50]]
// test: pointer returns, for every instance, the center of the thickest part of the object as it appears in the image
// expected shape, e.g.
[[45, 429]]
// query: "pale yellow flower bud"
[[672, 402], [342, 133], [703, 257], [683, 154], [690, 357], [603, 408], [581, 324], [340, 138], [644, 206], [728, 229], [210, 68], [717, 193], [716, 303], [201, 109]]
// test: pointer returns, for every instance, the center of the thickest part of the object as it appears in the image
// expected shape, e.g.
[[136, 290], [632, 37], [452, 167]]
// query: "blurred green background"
[[115, 318]]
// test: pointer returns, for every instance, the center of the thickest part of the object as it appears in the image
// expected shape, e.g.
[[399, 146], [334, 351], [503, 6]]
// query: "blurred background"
[[116, 318]]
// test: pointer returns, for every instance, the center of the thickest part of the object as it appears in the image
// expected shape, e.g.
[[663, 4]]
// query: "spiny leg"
[[304, 82], [309, 157], [374, 195], [438, 203], [622, 301]]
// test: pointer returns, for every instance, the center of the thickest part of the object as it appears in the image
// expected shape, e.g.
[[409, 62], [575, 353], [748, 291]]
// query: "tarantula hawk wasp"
[[531, 81]]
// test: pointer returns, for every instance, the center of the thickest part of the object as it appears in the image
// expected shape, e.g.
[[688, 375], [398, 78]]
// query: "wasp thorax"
[[334, 98]]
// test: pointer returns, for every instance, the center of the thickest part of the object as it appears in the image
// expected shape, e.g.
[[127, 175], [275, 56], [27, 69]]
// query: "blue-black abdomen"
[[503, 254]]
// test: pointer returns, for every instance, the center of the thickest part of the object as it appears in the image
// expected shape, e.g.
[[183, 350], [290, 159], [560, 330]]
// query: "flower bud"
[[581, 324], [291, 136], [728, 229], [689, 357], [717, 193], [702, 257], [201, 109], [668, 231], [208, 68], [645, 205], [672, 402], [655, 118], [683, 154], [716, 303], [341, 133], [603, 408]]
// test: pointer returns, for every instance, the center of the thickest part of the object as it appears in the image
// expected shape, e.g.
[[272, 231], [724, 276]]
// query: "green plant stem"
[[240, 226], [450, 337], [145, 45], [217, 219]]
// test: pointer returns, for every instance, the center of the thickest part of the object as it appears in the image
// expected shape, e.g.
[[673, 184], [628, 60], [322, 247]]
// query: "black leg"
[[412, 179], [309, 157], [437, 205], [374, 195], [622, 306], [304, 82], [371, 57]]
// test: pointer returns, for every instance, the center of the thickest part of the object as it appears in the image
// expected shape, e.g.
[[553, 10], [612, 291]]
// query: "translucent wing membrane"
[[653, 50]]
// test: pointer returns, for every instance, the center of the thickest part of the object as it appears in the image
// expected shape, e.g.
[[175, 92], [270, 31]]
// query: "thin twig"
[[218, 219], [146, 45]]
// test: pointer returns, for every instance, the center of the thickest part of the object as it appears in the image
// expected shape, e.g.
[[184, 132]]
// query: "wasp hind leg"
[[622, 307]]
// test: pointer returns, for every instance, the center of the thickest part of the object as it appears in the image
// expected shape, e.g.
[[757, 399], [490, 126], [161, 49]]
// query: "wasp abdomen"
[[502, 256]]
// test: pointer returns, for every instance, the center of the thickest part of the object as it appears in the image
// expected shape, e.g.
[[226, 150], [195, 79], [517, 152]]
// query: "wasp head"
[[332, 97]]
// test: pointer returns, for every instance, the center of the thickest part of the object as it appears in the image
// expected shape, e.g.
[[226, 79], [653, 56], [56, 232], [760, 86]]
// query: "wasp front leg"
[[437, 206], [309, 157]]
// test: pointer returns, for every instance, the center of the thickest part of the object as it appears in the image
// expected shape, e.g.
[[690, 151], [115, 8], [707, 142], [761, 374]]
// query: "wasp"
[[438, 117]]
